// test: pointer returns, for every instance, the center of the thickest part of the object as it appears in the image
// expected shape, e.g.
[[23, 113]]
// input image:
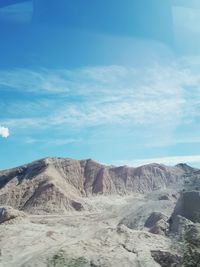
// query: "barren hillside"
[[57, 184], [64, 212]]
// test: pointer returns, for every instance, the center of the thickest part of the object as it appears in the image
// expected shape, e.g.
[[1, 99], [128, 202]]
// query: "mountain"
[[185, 167], [146, 216], [57, 185]]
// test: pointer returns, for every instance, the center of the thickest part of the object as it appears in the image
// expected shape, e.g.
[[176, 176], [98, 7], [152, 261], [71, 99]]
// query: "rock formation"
[[166, 259], [9, 215], [57, 184], [126, 216]]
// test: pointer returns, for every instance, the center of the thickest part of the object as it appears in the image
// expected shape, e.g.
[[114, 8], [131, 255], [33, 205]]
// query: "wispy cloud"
[[106, 94], [4, 132], [189, 159], [54, 141], [160, 97], [42, 81]]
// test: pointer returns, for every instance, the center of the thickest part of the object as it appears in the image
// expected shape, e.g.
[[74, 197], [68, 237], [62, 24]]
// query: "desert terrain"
[[117, 216]]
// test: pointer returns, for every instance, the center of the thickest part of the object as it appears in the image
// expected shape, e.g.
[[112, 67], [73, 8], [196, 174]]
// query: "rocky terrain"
[[59, 185], [64, 212]]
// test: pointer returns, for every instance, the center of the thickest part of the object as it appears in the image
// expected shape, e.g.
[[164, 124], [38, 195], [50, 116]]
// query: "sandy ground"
[[94, 234]]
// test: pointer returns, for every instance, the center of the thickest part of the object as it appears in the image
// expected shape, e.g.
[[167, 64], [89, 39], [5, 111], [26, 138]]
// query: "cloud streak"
[[189, 159], [160, 98], [105, 94]]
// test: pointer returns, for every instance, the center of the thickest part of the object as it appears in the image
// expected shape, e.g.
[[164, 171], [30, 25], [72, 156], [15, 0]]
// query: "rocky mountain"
[[147, 216], [186, 168], [60, 184]]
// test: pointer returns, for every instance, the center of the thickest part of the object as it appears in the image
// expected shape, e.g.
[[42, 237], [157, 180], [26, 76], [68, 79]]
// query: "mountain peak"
[[185, 167], [54, 183]]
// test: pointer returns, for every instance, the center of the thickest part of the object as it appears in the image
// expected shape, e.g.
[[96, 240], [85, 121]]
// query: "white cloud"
[[33, 81], [173, 160], [159, 98], [4, 132], [56, 141], [151, 103]]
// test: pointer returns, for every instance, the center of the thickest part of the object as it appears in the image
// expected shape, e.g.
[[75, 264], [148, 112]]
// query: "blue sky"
[[116, 82]]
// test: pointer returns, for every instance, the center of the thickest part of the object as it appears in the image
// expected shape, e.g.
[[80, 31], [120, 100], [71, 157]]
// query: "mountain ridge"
[[61, 184]]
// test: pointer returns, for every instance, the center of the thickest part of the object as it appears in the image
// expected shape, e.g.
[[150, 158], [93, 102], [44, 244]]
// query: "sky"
[[115, 81]]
